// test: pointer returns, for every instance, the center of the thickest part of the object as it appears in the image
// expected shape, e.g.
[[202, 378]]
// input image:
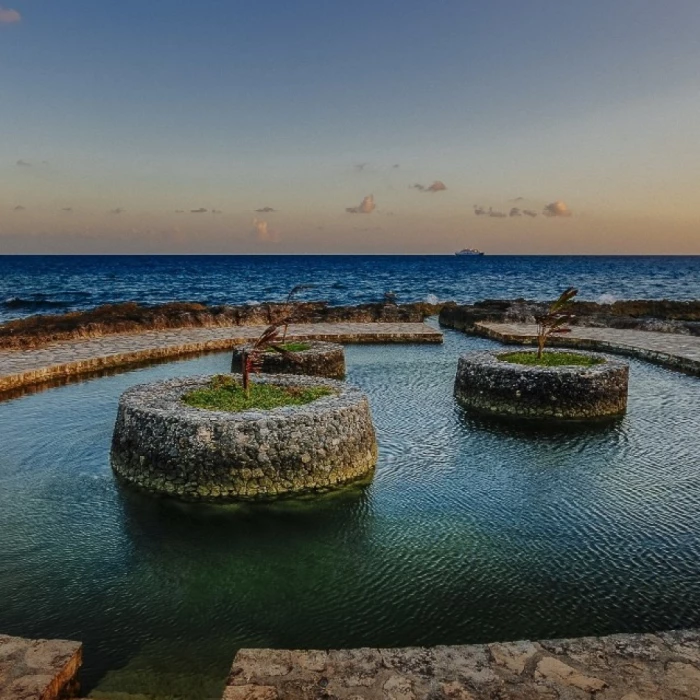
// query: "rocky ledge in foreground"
[[662, 316], [36, 331], [664, 666], [38, 669]]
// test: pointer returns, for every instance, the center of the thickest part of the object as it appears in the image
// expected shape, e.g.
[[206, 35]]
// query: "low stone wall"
[[485, 384], [663, 666], [162, 445], [38, 669], [320, 360]]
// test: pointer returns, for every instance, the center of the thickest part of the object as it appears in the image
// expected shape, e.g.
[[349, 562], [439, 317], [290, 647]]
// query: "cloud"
[[366, 207], [557, 208], [8, 16], [19, 207], [263, 232], [480, 211], [396, 165], [437, 186], [201, 210], [515, 212], [180, 211], [118, 210], [265, 210], [529, 212], [67, 209], [24, 163], [216, 211]]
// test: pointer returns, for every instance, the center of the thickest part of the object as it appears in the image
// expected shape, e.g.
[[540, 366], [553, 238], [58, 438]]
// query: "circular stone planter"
[[321, 360], [484, 384], [165, 446]]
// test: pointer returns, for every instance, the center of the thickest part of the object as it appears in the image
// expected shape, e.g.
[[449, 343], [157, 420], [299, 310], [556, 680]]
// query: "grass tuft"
[[550, 359], [225, 394], [295, 346]]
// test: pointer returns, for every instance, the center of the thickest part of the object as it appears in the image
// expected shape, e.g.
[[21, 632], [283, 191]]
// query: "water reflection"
[[471, 531]]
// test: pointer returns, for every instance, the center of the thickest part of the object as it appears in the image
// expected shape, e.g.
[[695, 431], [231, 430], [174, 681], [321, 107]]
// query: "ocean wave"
[[35, 304]]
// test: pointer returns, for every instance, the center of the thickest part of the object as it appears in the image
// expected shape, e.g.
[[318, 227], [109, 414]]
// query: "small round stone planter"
[[165, 446], [487, 385], [321, 360]]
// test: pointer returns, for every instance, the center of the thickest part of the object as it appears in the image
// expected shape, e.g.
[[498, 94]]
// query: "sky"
[[326, 126]]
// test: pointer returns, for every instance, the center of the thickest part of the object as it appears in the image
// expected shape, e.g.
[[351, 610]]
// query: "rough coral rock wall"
[[162, 445], [320, 360], [663, 666], [38, 669], [485, 384]]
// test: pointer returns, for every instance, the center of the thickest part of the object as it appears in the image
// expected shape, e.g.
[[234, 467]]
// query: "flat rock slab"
[[664, 666], [20, 368], [681, 352], [38, 669]]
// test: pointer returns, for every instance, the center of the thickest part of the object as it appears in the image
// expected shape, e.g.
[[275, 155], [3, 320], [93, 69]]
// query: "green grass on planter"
[[224, 394], [295, 346], [550, 359]]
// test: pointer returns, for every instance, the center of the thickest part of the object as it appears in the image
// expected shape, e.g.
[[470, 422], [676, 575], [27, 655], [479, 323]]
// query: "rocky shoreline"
[[38, 331], [660, 316]]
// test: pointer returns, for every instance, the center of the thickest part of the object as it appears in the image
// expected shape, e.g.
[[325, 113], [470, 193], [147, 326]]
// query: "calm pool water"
[[472, 531]]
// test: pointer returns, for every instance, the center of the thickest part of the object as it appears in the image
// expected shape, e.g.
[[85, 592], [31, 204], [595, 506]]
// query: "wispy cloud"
[[367, 206], [201, 210], [263, 232], [24, 163], [557, 208], [9, 16], [437, 186], [480, 211], [265, 210]]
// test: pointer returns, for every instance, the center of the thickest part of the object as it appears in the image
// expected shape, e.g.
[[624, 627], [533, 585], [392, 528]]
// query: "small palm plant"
[[290, 300], [251, 361], [555, 320]]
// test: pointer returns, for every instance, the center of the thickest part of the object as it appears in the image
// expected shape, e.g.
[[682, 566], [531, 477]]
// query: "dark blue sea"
[[55, 284]]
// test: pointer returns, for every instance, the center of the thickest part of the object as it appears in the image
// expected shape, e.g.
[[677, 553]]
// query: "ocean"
[[56, 284]]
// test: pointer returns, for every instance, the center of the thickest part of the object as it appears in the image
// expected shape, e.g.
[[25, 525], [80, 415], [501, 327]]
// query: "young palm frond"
[[556, 319], [297, 289], [253, 357]]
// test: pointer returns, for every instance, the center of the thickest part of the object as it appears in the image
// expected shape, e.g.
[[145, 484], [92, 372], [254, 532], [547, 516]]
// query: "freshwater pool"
[[472, 531]]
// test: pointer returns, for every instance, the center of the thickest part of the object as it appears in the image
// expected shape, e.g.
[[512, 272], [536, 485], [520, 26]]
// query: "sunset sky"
[[323, 126]]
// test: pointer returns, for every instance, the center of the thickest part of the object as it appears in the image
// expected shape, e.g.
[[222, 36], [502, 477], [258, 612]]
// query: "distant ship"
[[469, 251]]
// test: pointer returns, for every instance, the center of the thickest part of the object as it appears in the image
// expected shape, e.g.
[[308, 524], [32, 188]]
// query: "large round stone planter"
[[165, 446], [487, 385], [321, 359]]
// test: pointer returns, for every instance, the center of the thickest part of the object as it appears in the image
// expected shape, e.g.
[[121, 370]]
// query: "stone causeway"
[[72, 358]]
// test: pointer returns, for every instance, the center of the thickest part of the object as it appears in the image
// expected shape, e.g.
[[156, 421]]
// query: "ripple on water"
[[472, 530]]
